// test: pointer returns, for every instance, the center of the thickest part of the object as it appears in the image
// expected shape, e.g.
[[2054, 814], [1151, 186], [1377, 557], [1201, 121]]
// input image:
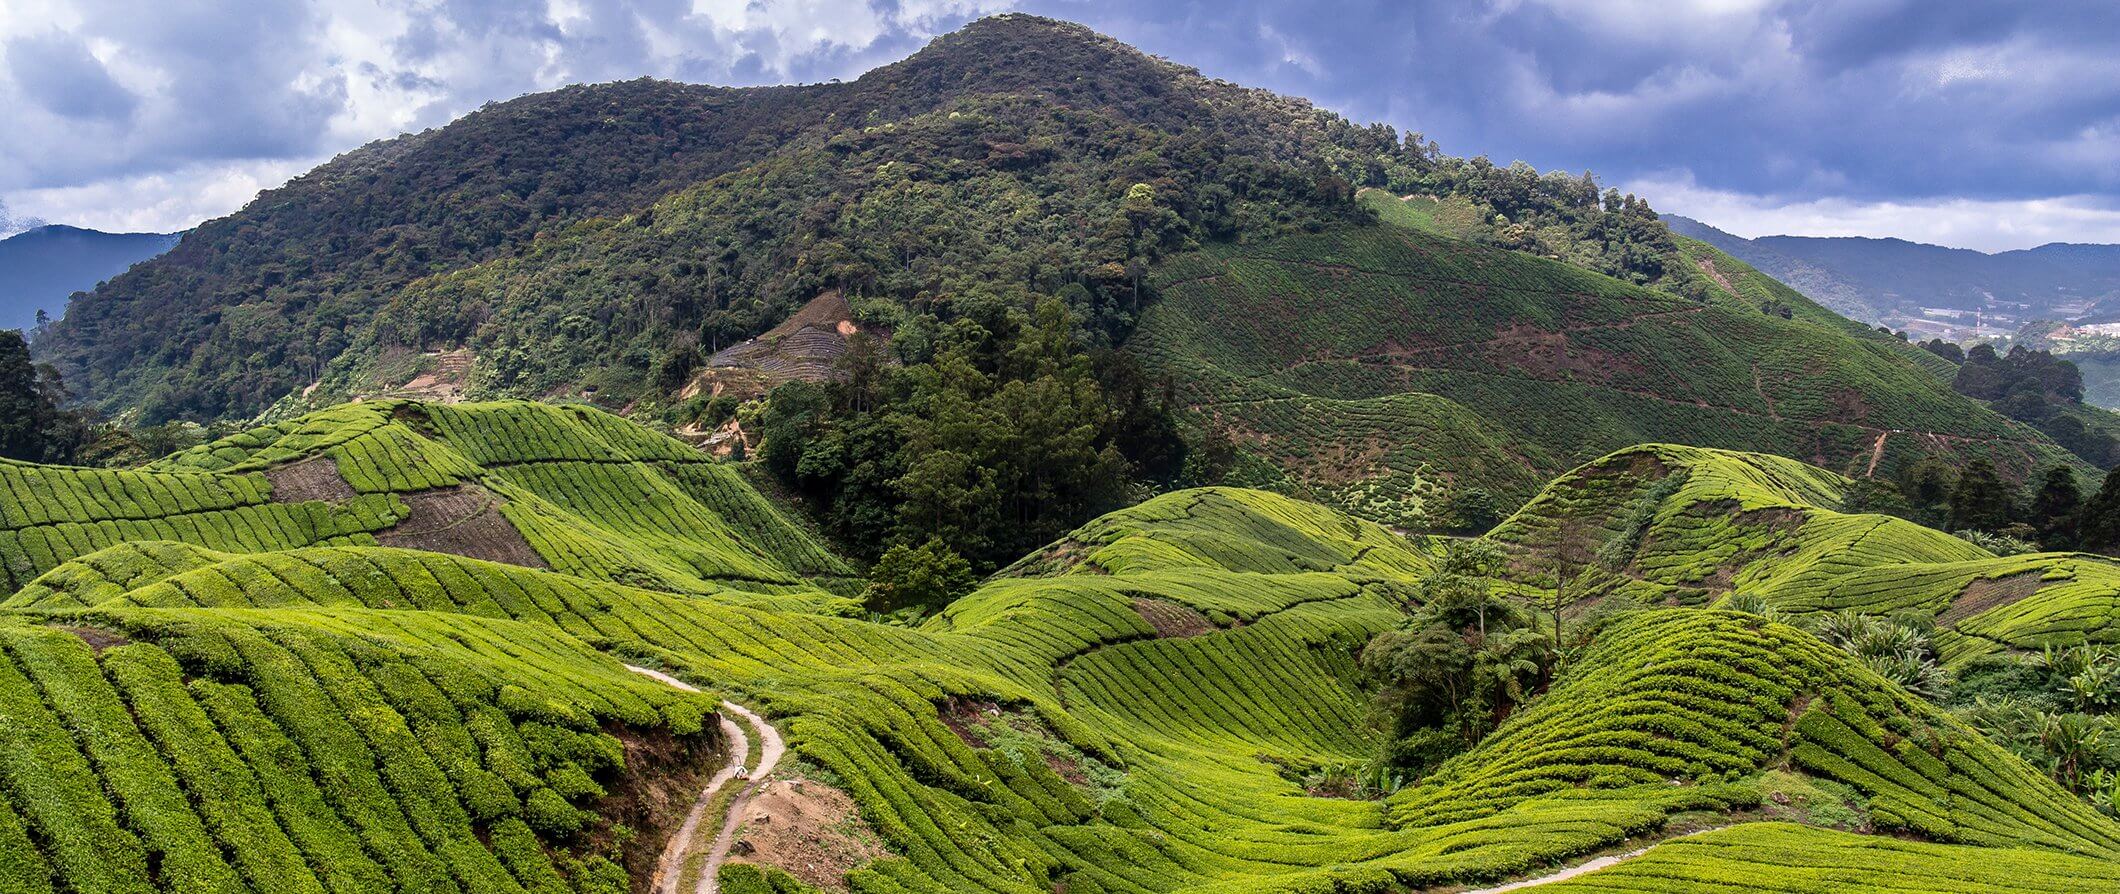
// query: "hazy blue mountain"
[[1890, 280], [39, 268]]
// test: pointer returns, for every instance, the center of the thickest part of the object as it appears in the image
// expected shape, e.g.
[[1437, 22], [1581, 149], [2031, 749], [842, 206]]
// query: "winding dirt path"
[[1586, 867], [670, 867]]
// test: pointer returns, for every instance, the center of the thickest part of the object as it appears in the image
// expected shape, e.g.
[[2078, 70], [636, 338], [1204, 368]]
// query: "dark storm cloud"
[[58, 73], [1760, 104]]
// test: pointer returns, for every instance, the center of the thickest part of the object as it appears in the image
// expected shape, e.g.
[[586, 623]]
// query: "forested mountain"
[[41, 267], [996, 215], [1889, 280]]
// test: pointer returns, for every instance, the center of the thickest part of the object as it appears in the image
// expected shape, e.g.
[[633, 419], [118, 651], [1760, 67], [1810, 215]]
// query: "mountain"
[[614, 242], [40, 267], [398, 646], [1890, 281], [1389, 370]]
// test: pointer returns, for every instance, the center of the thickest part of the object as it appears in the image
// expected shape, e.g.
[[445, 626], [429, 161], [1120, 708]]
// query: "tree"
[[21, 436], [930, 575], [1460, 591], [2098, 527], [2054, 506], [1981, 501], [1471, 510], [1460, 665]]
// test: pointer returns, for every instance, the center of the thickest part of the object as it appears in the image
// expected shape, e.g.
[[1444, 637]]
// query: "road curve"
[[669, 869], [1585, 867]]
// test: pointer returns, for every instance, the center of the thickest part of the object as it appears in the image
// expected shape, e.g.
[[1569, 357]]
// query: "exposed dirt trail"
[[670, 868], [1586, 867]]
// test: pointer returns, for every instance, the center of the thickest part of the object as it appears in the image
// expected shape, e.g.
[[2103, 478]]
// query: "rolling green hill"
[[206, 695], [1684, 525], [1382, 368]]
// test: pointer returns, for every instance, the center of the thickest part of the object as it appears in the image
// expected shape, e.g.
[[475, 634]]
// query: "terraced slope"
[[1686, 525], [571, 488], [1378, 368], [1126, 711]]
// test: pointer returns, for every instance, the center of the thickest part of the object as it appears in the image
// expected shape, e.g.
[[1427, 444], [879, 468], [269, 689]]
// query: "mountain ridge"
[[42, 266]]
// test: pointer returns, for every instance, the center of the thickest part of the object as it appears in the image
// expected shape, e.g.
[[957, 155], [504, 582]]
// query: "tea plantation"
[[1686, 525], [1380, 368], [230, 671]]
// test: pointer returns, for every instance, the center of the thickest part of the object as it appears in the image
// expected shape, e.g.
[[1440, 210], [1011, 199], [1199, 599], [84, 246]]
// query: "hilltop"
[[1055, 213], [256, 666]]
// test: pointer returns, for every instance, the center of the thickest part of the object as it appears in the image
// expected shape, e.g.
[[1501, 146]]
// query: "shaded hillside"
[[251, 307], [1382, 369], [40, 268]]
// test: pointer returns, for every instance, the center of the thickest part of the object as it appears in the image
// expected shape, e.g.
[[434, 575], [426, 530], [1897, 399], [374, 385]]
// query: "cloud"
[[10, 224], [144, 114], [1800, 103], [58, 72]]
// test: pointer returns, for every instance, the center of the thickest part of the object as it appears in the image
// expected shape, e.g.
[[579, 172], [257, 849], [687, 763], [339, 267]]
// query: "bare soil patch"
[[97, 638], [1171, 620], [1987, 593], [464, 520], [652, 797], [964, 716], [806, 346], [809, 830], [444, 381], [315, 478]]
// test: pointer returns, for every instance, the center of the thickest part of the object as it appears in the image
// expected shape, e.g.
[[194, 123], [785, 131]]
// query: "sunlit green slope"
[[1687, 525], [570, 488], [1128, 710]]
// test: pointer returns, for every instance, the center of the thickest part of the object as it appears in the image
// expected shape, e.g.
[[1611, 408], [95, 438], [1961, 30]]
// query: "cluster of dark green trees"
[[38, 424], [2050, 512], [1460, 665], [983, 436], [2036, 388]]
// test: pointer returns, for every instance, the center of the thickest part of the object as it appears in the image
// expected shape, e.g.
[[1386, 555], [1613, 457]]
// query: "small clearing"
[[1172, 620], [464, 520], [443, 382], [315, 478], [1987, 593], [806, 346]]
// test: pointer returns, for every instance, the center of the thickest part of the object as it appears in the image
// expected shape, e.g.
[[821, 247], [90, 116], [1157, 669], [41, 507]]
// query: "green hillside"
[[1382, 368], [568, 488], [205, 695], [1685, 525]]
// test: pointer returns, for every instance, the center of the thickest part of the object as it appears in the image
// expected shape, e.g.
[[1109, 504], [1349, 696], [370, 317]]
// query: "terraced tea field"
[[263, 703], [1378, 368]]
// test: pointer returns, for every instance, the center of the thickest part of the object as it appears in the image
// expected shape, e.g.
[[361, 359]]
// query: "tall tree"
[[2098, 528], [2054, 506], [22, 405], [1981, 501]]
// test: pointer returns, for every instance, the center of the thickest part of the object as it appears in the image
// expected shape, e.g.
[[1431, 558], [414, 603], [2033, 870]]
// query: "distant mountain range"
[[40, 267], [1891, 281]]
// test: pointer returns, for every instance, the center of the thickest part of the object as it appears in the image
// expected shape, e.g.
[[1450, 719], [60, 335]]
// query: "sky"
[[1988, 125]]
